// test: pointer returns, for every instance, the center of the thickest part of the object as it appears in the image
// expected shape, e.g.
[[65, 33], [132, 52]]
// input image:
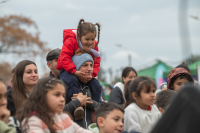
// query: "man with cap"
[[52, 58]]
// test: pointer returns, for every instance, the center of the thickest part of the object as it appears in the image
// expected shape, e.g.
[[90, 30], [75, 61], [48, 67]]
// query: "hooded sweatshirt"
[[175, 73], [117, 94]]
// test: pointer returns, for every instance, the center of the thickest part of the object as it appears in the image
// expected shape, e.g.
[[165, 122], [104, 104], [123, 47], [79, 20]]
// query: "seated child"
[[43, 111], [140, 112], [109, 118], [8, 124], [177, 77], [162, 98]]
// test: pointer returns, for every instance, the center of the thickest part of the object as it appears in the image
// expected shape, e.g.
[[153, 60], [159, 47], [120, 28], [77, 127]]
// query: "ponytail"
[[98, 33]]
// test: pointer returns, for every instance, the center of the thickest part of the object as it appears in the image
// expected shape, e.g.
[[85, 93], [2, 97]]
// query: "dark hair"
[[85, 27], [136, 86], [18, 87], [105, 108], [181, 76], [37, 103], [183, 65], [163, 97], [126, 72]]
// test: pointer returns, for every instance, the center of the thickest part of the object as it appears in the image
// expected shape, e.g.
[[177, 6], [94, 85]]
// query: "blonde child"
[[77, 42], [140, 112], [42, 112]]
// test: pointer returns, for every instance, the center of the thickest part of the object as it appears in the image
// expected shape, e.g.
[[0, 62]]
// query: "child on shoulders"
[[76, 42]]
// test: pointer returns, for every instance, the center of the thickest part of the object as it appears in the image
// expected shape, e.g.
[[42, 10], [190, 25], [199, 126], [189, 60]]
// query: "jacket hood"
[[178, 72], [120, 85], [67, 33]]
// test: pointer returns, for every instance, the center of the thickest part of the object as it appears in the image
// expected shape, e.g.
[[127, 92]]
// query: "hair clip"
[[51, 79]]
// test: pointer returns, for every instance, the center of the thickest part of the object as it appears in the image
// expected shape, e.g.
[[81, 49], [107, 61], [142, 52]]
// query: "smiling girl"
[[77, 42], [24, 79], [42, 112], [140, 112]]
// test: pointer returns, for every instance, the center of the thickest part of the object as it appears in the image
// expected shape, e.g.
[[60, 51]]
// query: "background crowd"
[[73, 94]]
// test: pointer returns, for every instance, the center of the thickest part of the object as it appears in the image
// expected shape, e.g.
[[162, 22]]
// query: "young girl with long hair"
[[42, 112], [140, 112], [24, 79], [77, 42]]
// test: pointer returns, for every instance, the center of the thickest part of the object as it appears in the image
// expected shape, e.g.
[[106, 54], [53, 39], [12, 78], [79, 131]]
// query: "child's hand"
[[82, 98], [4, 114], [81, 76]]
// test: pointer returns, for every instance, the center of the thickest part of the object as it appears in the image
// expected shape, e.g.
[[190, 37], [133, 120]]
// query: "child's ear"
[[100, 121], [161, 110], [134, 96]]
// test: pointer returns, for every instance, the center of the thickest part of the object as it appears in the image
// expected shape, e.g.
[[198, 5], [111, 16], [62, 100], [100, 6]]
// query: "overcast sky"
[[146, 29]]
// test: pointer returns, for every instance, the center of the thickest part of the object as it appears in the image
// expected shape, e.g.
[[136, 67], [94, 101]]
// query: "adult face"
[[131, 76], [30, 76], [52, 66], [87, 69]]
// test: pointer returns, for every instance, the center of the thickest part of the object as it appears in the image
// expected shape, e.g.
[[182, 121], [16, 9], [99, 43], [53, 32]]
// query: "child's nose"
[[62, 98], [90, 41], [121, 124], [4, 102], [152, 94]]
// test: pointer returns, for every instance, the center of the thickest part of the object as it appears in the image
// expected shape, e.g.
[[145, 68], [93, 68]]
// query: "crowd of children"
[[73, 103]]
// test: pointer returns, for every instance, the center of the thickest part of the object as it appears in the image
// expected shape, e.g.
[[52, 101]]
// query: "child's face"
[[113, 123], [178, 83], [3, 95], [56, 98], [146, 98], [88, 39]]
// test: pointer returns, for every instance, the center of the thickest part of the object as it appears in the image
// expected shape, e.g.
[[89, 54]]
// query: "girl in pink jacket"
[[42, 112]]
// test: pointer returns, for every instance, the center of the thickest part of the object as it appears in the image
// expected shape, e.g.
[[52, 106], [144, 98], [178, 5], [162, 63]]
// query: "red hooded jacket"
[[68, 51]]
